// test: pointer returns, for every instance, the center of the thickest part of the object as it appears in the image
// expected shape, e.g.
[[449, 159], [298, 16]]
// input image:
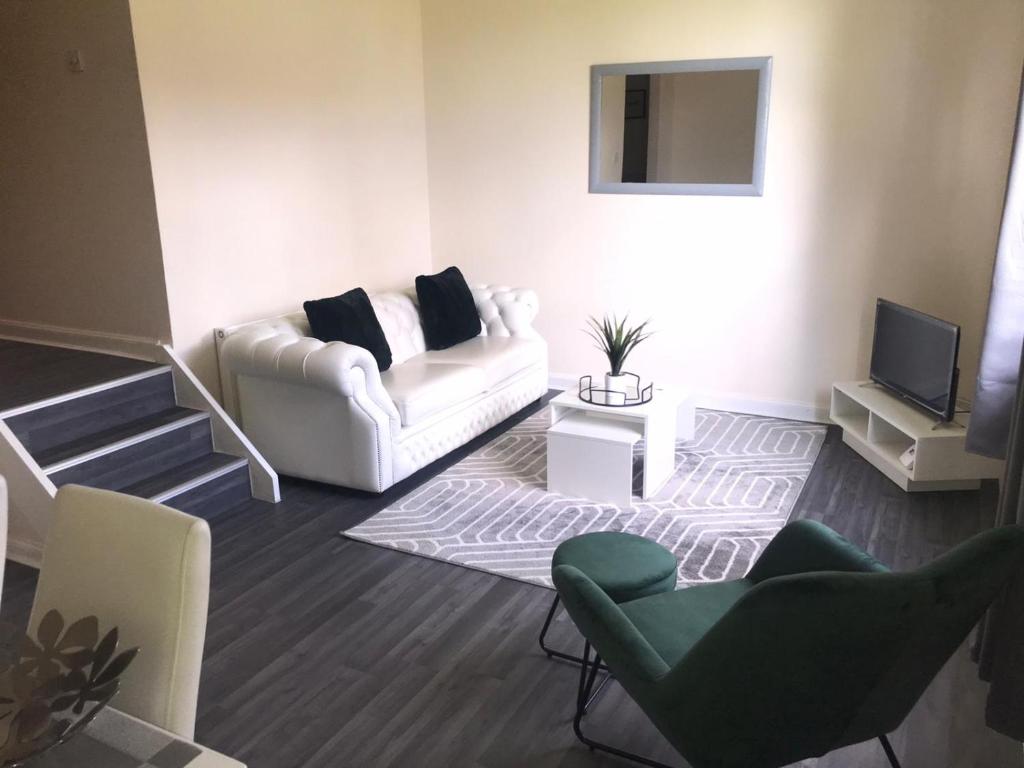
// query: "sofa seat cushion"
[[673, 622], [420, 389], [499, 357]]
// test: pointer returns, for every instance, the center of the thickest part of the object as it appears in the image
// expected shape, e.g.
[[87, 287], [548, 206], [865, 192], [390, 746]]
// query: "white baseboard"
[[718, 401], [562, 381], [779, 409], [139, 347]]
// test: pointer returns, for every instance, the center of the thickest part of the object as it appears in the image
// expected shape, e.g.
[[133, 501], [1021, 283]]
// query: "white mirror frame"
[[761, 63]]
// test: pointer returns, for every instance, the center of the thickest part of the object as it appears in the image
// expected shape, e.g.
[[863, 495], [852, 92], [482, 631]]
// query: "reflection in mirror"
[[679, 130]]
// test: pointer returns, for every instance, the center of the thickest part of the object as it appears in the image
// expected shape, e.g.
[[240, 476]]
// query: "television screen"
[[914, 354]]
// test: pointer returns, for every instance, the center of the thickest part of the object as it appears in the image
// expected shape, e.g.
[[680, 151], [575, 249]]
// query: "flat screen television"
[[914, 355]]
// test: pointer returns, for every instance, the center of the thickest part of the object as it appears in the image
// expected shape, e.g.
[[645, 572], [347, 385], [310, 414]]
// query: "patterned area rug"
[[733, 489]]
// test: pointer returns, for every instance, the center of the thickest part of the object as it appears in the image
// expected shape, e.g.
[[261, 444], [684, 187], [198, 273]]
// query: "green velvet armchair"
[[820, 646]]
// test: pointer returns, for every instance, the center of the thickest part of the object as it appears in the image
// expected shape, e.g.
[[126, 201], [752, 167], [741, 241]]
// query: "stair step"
[[120, 436], [178, 480], [126, 433], [45, 424], [132, 462], [217, 494], [30, 372]]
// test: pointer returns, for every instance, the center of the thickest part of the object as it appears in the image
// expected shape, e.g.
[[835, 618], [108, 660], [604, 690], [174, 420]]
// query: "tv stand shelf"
[[880, 426]]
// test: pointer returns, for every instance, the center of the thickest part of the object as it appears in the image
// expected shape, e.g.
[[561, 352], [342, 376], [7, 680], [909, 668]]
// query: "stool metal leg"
[[889, 753], [551, 652], [547, 625]]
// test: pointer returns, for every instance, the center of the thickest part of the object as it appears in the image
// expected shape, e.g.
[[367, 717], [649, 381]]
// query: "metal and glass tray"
[[610, 398]]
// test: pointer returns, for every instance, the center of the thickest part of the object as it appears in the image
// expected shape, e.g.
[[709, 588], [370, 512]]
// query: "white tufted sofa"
[[325, 412]]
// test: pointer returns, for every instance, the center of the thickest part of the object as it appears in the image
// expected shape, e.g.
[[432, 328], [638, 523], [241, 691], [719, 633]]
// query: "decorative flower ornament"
[[56, 672]]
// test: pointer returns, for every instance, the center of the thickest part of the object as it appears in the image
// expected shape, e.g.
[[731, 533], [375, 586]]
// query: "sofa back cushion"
[[400, 320], [447, 309], [349, 318], [398, 315]]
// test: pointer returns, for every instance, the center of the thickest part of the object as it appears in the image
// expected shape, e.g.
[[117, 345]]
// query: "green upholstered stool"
[[625, 566]]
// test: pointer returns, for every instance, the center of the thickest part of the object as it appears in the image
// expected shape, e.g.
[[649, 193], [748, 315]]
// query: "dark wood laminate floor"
[[323, 651], [31, 372]]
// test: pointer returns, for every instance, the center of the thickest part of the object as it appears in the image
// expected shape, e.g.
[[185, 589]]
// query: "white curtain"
[[997, 429]]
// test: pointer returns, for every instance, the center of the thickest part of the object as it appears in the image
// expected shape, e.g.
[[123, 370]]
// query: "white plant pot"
[[624, 384]]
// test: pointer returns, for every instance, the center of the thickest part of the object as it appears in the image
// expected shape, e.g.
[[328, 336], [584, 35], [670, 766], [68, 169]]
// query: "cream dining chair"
[[3, 528], [144, 568]]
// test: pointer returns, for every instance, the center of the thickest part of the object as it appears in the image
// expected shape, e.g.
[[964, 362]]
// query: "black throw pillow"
[[349, 318], [447, 309]]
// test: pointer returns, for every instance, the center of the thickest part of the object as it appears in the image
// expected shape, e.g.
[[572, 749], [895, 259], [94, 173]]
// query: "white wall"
[[288, 151], [289, 147], [79, 244], [888, 142]]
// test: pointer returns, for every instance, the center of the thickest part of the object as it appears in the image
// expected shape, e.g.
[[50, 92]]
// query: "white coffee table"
[[668, 417]]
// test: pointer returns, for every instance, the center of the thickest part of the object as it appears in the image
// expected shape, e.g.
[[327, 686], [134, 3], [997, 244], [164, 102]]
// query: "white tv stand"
[[880, 426]]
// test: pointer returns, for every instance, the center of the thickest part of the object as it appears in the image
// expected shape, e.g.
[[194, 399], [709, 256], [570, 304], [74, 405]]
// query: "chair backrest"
[[144, 568], [807, 663], [804, 664], [637, 665]]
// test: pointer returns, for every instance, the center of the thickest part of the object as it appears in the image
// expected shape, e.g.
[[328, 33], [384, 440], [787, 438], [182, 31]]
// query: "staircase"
[[129, 434]]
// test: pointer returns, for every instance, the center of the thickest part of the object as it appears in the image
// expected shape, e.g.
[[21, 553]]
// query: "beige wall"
[[289, 147], [288, 151], [888, 142], [702, 127], [79, 244]]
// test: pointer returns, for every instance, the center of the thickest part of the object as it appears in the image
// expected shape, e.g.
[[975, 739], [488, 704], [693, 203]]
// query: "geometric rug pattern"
[[733, 489]]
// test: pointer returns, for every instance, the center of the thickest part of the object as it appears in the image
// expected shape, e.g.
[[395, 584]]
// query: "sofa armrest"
[[335, 367], [507, 311], [806, 546]]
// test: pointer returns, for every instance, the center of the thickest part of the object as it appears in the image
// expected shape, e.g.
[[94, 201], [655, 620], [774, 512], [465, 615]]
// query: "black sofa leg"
[[889, 752], [584, 697]]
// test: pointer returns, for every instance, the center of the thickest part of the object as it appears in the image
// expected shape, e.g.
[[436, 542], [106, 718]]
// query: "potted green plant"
[[617, 340]]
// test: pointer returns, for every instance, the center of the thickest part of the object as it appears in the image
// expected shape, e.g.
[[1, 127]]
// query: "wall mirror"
[[679, 127]]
